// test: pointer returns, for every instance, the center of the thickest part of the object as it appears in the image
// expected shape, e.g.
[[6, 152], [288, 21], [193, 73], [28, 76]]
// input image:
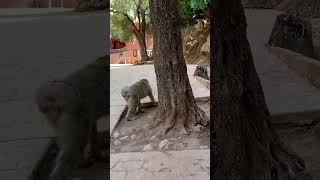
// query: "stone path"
[[34, 50], [174, 165]]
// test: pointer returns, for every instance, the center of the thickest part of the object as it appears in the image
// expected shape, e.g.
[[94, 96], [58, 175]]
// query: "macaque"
[[133, 94], [72, 107]]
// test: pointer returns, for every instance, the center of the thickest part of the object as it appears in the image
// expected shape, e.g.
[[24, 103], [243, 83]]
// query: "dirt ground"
[[134, 136]]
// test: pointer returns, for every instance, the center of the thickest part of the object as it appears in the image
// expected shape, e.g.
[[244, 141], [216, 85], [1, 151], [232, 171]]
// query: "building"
[[130, 53], [38, 3]]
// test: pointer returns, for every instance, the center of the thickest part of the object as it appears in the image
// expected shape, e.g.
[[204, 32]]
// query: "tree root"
[[289, 165], [183, 124]]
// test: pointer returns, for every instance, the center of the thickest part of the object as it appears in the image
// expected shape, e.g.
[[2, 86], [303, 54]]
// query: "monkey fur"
[[133, 94], [72, 107]]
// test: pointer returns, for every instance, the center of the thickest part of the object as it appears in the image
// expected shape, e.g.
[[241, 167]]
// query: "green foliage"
[[120, 25], [199, 4], [188, 8], [186, 13]]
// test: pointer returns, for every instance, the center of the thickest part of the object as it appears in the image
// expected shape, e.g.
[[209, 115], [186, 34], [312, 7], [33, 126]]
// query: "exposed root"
[[169, 124], [290, 166], [156, 121], [181, 123]]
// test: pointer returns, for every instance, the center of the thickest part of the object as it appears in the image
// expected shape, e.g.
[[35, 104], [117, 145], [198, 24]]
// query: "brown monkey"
[[133, 94], [72, 107]]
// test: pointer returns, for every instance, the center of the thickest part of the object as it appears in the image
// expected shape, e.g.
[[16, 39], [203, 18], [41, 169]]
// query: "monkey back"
[[91, 84], [141, 88]]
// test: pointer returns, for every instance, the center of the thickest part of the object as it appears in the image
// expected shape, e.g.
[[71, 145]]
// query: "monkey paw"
[[131, 119]]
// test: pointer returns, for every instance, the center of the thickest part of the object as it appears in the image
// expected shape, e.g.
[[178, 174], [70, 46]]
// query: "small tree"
[[248, 148], [133, 20], [177, 108]]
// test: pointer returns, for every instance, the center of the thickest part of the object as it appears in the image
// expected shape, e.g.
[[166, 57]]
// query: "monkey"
[[133, 94], [72, 106]]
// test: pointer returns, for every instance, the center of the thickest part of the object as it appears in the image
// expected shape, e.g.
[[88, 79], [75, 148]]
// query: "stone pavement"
[[34, 50], [173, 165]]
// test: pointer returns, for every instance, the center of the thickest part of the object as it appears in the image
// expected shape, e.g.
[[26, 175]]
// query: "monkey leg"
[[66, 162], [139, 107], [151, 97], [149, 92], [132, 107], [95, 144]]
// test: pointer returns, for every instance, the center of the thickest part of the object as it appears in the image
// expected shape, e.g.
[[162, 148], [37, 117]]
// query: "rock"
[[198, 128], [148, 147], [117, 142], [133, 136], [206, 46], [116, 134], [124, 138], [316, 37], [294, 33], [202, 72], [164, 144], [200, 25]]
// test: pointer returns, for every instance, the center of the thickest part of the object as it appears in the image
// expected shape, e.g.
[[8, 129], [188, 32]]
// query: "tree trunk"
[[143, 48], [142, 45], [177, 109], [248, 148]]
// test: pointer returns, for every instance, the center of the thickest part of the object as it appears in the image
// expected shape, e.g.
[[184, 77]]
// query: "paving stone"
[[176, 165]]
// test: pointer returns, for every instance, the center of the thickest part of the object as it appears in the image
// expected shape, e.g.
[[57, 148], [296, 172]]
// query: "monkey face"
[[125, 93]]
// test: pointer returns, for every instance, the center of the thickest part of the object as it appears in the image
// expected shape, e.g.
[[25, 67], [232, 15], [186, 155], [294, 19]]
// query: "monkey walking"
[[72, 107], [133, 94]]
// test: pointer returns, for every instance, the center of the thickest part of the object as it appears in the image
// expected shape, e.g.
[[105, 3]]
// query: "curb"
[[305, 67], [203, 81]]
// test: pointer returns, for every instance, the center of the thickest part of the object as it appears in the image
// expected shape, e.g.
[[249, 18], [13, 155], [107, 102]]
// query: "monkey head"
[[125, 92]]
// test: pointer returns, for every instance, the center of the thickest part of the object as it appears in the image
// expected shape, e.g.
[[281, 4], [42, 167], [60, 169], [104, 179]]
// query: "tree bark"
[[248, 148], [141, 34], [177, 109]]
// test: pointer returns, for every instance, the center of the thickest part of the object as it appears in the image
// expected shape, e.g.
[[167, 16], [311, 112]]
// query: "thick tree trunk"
[[248, 148], [177, 108]]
